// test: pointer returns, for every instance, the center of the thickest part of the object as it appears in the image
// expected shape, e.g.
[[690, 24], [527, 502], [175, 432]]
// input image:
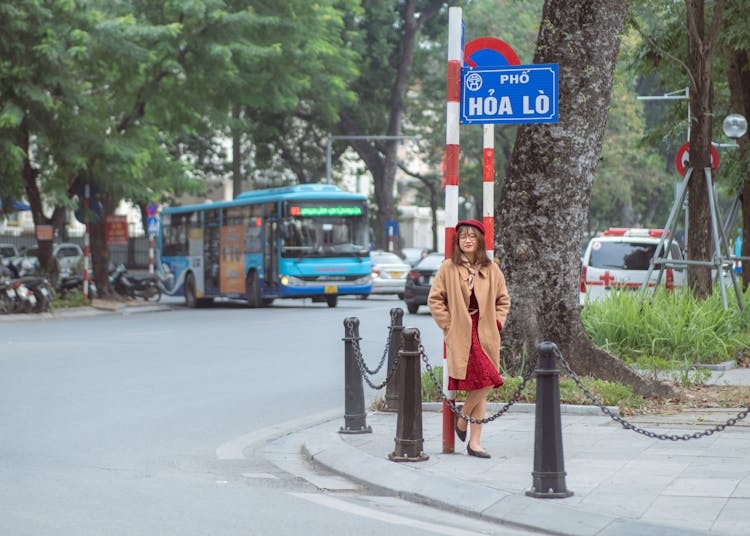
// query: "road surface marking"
[[267, 476], [233, 449]]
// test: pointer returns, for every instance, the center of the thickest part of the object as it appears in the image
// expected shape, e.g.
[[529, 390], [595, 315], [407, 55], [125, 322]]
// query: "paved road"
[[157, 423]]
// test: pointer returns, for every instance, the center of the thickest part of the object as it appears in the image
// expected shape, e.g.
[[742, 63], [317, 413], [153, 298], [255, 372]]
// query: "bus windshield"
[[324, 236]]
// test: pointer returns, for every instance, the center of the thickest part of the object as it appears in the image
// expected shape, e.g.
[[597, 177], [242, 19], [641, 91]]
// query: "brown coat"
[[449, 303]]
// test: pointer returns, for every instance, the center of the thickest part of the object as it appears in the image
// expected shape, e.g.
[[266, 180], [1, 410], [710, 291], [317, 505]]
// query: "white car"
[[70, 257], [619, 260], [7, 251], [389, 273]]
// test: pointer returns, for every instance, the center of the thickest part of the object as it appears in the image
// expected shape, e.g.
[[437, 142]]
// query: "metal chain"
[[363, 370], [458, 411], [629, 426], [355, 344]]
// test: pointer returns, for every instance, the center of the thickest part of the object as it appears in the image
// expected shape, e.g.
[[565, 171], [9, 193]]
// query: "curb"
[[726, 365], [525, 407], [80, 312]]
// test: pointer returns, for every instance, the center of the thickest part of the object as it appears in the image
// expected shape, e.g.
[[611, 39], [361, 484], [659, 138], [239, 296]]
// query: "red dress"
[[480, 371]]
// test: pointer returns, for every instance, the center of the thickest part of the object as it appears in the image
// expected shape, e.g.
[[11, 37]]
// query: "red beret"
[[472, 223]]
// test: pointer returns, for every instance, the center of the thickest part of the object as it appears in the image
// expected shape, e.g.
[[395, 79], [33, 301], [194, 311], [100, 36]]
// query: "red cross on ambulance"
[[607, 278]]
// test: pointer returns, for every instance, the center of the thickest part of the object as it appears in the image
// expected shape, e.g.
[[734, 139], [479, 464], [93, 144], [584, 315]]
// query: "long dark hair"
[[482, 258]]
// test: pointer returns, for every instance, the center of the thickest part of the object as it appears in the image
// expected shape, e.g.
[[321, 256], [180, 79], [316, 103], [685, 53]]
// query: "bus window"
[[254, 236], [212, 249], [316, 236], [175, 233]]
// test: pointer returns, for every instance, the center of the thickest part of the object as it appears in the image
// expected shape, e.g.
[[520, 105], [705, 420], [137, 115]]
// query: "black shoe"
[[460, 433], [477, 453]]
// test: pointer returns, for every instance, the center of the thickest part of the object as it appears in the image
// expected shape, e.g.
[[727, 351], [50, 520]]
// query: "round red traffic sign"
[[683, 157], [151, 209], [489, 52]]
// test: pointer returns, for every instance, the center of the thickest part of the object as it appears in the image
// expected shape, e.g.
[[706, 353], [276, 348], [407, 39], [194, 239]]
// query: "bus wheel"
[[190, 299], [332, 300], [252, 292]]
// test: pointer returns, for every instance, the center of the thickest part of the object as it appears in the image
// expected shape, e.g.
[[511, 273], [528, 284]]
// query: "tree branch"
[[651, 41]]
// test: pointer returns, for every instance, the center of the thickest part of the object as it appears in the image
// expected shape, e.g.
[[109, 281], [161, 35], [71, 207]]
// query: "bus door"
[[212, 251], [271, 254]]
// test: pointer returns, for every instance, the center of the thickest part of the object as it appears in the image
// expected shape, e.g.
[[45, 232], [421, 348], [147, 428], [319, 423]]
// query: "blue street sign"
[[509, 94], [152, 223]]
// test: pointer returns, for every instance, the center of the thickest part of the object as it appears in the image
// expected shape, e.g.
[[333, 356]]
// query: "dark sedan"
[[419, 280]]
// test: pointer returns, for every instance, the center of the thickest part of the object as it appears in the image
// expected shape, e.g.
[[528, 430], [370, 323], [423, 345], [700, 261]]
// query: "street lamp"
[[734, 126]]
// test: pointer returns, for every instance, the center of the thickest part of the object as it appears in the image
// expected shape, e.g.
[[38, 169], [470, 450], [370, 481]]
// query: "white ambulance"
[[619, 260]]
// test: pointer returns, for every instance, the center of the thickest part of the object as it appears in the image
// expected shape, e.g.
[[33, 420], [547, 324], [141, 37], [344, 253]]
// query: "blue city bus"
[[305, 241]]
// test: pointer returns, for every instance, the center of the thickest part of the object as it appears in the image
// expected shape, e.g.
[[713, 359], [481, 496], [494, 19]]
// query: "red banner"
[[116, 230]]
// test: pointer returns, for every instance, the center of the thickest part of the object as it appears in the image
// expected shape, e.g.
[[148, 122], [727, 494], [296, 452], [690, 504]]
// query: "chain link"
[[629, 426], [363, 370], [458, 411]]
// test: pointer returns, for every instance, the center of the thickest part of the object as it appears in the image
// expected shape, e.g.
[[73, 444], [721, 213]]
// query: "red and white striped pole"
[[150, 253], [488, 189], [452, 125], [87, 207]]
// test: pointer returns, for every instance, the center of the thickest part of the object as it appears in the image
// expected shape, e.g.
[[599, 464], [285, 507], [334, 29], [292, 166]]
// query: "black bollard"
[[549, 466], [409, 442], [394, 345], [354, 401]]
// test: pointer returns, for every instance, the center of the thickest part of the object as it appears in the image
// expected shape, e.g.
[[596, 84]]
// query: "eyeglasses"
[[470, 238]]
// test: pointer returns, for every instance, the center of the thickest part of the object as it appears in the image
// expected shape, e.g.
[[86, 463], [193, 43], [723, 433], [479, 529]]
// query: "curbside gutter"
[[86, 311]]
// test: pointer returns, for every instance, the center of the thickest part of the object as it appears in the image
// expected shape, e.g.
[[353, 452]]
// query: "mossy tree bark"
[[543, 209]]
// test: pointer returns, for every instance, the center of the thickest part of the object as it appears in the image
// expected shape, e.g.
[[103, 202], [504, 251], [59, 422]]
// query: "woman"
[[469, 301]]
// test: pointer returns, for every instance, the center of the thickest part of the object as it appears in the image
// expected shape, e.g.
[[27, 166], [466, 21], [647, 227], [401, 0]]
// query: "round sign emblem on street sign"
[[489, 52], [683, 157], [151, 209]]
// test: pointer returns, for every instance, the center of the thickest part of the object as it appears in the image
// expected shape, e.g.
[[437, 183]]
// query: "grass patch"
[[663, 336], [71, 299], [608, 393], [672, 330]]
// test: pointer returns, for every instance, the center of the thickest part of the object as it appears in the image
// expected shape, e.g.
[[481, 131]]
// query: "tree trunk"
[[544, 206], [30, 173], [700, 62], [383, 162], [236, 152], [99, 248]]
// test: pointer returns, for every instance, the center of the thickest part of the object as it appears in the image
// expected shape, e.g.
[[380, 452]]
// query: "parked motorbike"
[[24, 300], [41, 291], [69, 283], [7, 297], [27, 294], [134, 286]]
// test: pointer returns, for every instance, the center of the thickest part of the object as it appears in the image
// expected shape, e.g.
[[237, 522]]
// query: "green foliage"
[[632, 187], [658, 61], [674, 327], [608, 393], [73, 299]]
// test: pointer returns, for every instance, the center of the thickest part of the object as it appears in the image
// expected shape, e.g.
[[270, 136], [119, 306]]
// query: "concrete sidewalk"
[[97, 307], [624, 483]]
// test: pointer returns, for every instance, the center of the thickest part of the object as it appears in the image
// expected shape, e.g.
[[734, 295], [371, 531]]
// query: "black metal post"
[[409, 441], [549, 466], [355, 421], [394, 345]]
